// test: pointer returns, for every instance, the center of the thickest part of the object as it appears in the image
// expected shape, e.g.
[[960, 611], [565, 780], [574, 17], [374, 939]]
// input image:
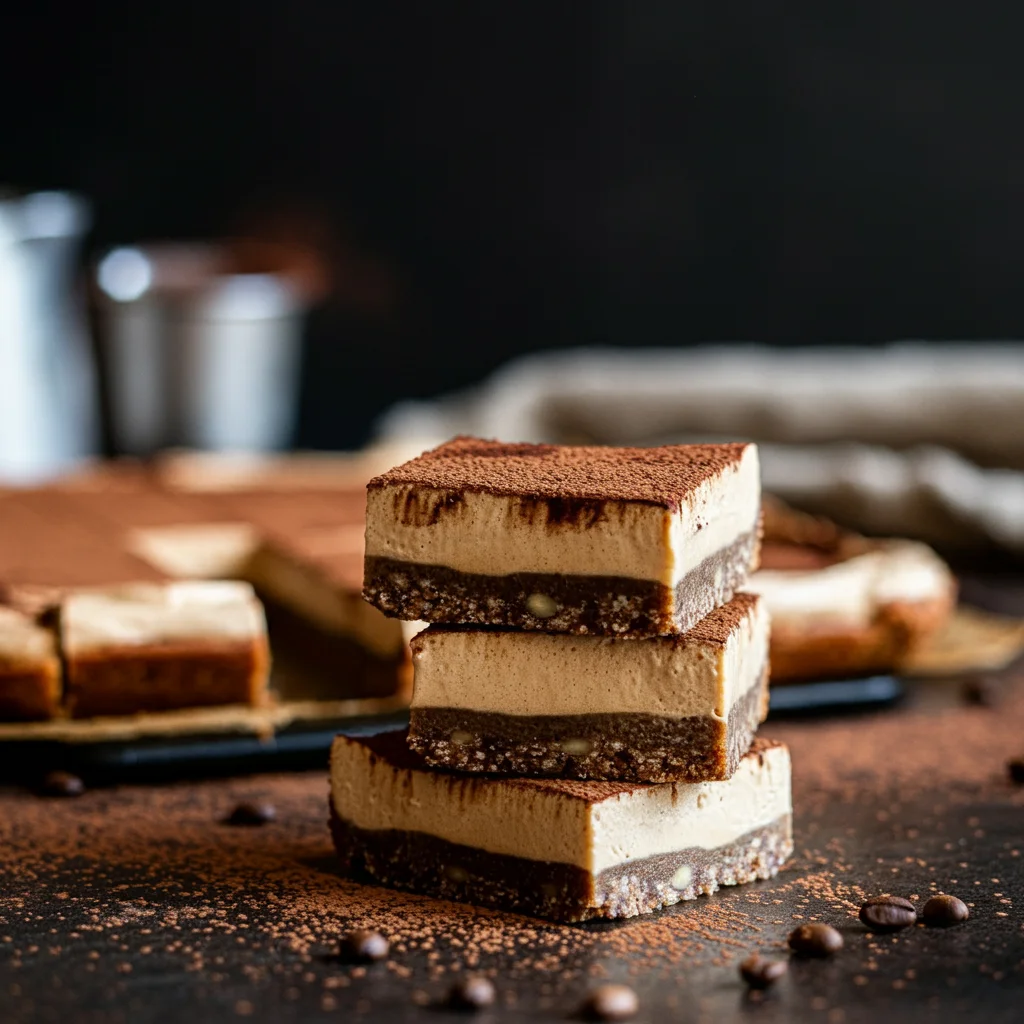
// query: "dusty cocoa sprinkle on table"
[[61, 784], [888, 914], [815, 940], [251, 813], [944, 911], [471, 993], [364, 946], [759, 972], [611, 1002]]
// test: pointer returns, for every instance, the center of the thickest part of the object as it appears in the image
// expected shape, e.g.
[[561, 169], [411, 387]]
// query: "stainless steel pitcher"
[[48, 403]]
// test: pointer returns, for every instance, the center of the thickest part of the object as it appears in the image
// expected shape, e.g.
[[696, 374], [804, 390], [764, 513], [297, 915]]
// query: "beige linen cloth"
[[916, 439]]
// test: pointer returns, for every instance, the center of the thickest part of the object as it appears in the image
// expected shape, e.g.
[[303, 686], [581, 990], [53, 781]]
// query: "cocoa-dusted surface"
[[126, 680], [608, 605], [134, 904], [628, 747], [148, 910], [574, 476], [558, 892]]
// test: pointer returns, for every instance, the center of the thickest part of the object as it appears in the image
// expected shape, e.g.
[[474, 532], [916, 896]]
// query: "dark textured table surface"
[[136, 904]]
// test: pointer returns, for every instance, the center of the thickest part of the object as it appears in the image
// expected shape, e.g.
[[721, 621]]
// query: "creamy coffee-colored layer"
[[496, 535], [517, 673], [22, 642], [851, 592], [594, 825], [156, 613]]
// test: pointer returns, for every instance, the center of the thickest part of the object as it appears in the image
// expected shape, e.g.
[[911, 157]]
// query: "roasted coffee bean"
[[251, 814], [888, 914], [472, 993], [62, 784], [364, 946], [1016, 769], [944, 911], [759, 972], [816, 940], [611, 1002], [983, 691]]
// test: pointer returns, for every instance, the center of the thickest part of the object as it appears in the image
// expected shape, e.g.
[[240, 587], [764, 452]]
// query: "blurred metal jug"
[[48, 406], [195, 353]]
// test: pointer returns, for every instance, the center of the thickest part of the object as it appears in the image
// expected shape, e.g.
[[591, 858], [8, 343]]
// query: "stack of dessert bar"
[[586, 698]]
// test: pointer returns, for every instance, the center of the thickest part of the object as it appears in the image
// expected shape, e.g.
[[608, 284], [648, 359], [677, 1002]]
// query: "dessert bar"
[[310, 581], [555, 848], [842, 604], [29, 669], [155, 647], [654, 709], [614, 541]]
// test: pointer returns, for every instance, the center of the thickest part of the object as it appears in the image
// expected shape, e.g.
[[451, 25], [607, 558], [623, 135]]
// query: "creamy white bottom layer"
[[529, 673], [536, 820]]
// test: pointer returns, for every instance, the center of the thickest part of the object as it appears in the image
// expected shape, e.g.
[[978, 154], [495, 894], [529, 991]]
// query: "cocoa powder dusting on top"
[[571, 482]]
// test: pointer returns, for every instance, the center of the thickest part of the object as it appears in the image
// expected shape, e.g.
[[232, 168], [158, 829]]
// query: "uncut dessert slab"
[[614, 541]]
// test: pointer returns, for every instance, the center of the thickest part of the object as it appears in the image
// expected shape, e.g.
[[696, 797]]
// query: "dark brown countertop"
[[135, 904]]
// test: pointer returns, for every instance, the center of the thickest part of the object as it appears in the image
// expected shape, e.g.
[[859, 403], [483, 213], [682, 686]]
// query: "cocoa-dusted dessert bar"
[[615, 541], [555, 848], [843, 604], [155, 647], [310, 581], [29, 669], [653, 709]]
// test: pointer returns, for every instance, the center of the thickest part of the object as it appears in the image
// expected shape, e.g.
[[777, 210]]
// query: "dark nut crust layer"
[[425, 864], [626, 747]]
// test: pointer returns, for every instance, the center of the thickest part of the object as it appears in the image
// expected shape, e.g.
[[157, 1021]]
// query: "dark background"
[[487, 179]]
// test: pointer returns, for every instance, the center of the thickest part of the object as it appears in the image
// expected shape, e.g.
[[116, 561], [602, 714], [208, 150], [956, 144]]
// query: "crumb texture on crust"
[[422, 863], [657, 476], [609, 747]]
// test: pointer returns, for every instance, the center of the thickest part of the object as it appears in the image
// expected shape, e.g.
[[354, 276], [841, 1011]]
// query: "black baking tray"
[[306, 746]]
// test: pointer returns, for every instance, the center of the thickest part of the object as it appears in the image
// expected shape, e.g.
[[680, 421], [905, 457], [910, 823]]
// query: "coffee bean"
[[364, 946], [1016, 770], [62, 784], [611, 1002], [983, 691], [816, 940], [472, 993], [944, 911], [758, 972], [888, 914], [251, 814]]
